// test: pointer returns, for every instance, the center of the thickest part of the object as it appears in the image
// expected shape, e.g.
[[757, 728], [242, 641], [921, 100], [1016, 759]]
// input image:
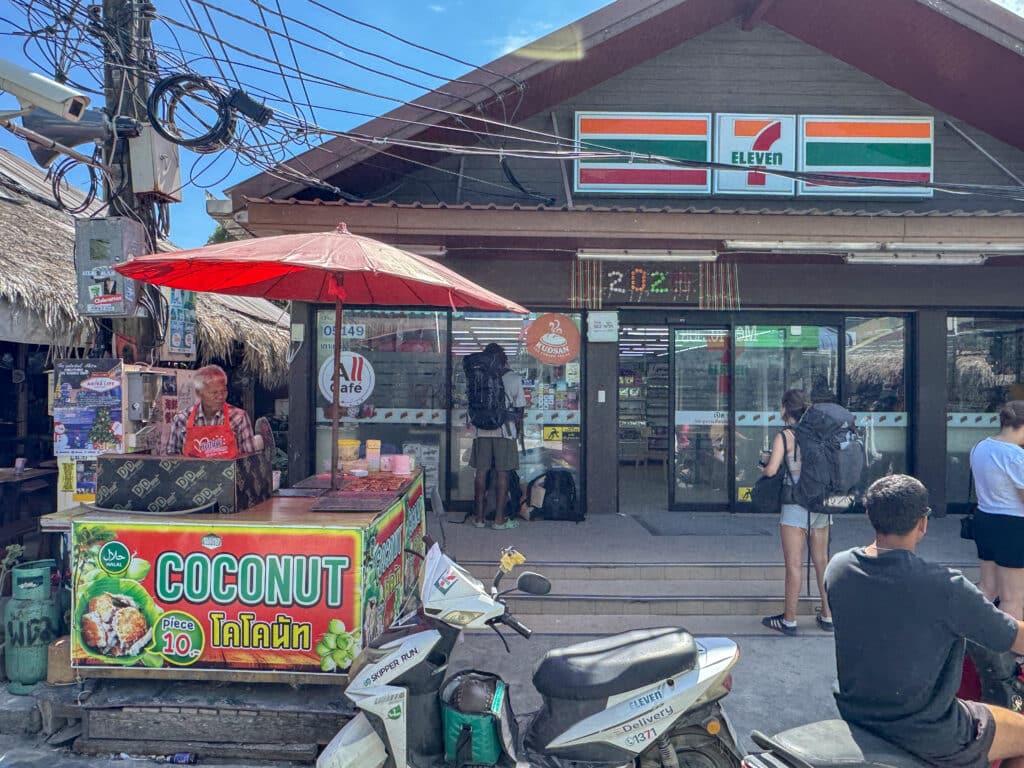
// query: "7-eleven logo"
[[763, 142], [759, 143]]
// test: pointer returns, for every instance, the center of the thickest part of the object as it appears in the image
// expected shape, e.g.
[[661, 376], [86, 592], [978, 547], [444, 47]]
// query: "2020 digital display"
[[632, 282]]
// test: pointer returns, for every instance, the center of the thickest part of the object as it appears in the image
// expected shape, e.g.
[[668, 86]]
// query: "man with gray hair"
[[211, 429]]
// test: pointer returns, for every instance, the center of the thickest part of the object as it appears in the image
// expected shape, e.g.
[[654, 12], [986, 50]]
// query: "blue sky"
[[477, 32]]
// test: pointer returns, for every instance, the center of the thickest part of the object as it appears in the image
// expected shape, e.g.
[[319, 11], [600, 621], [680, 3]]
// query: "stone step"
[[605, 572], [699, 588], [659, 605], [734, 626]]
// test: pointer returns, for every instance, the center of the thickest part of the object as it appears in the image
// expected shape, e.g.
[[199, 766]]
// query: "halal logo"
[[356, 379]]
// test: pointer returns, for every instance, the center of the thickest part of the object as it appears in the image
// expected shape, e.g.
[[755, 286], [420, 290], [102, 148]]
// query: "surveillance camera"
[[32, 89]]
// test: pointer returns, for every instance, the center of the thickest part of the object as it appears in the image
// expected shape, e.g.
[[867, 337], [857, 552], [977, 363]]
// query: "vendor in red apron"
[[211, 429]]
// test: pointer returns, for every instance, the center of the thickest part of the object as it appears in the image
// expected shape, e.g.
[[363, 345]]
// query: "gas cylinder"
[[31, 623]]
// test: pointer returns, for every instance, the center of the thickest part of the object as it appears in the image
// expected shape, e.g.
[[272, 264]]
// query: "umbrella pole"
[[336, 397]]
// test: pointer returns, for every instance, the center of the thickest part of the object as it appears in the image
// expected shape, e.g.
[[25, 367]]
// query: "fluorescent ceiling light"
[[632, 255], [804, 246], [919, 259]]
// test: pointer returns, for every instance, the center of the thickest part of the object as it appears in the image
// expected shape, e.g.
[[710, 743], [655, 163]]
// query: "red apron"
[[217, 442]]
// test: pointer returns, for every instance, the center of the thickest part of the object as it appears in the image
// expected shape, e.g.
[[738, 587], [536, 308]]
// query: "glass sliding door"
[[875, 391], [769, 360], [701, 453], [985, 368]]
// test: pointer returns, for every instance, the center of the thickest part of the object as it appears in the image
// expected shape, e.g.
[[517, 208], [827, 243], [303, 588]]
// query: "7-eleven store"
[[698, 296]]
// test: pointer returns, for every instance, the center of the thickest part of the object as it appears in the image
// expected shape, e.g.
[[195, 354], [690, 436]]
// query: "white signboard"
[[603, 326], [758, 142], [356, 379]]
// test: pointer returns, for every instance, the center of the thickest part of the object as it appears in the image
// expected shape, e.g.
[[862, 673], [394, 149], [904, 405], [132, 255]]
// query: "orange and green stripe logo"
[[677, 136], [885, 148]]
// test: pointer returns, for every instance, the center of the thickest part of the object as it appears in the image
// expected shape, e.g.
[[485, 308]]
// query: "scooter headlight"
[[461, 618]]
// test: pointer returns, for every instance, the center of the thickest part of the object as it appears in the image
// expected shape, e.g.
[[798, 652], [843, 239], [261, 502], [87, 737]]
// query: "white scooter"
[[645, 698]]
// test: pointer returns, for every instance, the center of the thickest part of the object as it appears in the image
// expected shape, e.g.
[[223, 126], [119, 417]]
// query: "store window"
[[985, 368], [394, 385], [545, 349], [875, 390]]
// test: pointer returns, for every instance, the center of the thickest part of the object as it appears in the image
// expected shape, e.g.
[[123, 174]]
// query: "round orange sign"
[[553, 339]]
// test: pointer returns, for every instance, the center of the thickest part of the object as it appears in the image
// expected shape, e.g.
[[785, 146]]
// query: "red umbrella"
[[319, 267]]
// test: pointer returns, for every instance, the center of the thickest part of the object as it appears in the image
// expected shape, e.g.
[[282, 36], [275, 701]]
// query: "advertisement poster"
[[224, 597], [87, 408], [415, 529], [383, 576], [181, 325]]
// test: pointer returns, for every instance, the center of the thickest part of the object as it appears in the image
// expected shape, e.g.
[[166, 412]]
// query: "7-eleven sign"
[[760, 143]]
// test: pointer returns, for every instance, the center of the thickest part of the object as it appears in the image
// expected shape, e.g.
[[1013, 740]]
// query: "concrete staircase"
[[588, 598]]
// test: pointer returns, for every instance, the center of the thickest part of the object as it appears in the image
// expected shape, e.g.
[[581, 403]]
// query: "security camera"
[[34, 90]]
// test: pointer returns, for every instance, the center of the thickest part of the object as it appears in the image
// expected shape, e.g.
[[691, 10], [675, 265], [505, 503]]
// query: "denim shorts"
[[796, 516]]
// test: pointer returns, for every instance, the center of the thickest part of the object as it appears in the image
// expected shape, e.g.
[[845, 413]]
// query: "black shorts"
[[1000, 539]]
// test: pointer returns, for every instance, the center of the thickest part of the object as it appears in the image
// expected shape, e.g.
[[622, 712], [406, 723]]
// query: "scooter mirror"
[[533, 583]]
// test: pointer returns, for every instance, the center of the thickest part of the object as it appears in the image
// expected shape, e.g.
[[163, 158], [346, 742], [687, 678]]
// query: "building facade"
[[673, 302]]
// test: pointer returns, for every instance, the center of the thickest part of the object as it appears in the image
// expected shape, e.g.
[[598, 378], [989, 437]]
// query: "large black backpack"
[[832, 459], [560, 502], [488, 405]]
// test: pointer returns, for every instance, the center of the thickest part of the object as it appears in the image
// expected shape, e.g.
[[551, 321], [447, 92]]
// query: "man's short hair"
[[206, 374], [895, 503]]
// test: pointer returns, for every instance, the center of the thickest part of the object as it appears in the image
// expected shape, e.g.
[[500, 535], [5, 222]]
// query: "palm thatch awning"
[[38, 288]]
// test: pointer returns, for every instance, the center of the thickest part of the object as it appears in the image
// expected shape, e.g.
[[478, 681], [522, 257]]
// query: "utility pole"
[[127, 61]]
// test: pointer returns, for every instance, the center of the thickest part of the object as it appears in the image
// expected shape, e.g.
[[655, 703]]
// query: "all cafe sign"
[[756, 141], [356, 379]]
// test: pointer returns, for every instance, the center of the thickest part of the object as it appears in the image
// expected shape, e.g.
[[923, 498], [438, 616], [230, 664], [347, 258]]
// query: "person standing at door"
[[496, 448], [796, 523], [211, 429]]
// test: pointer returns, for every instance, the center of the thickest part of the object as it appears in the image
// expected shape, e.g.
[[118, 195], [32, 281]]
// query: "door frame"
[[673, 505]]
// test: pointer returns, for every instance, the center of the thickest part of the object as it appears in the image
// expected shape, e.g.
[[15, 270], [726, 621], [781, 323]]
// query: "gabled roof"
[[962, 57]]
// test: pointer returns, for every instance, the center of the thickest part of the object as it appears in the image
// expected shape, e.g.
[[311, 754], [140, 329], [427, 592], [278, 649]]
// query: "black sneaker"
[[775, 622], [825, 625]]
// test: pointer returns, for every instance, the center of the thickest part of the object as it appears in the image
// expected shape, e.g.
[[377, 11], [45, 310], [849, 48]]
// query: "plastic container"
[[373, 455], [348, 450]]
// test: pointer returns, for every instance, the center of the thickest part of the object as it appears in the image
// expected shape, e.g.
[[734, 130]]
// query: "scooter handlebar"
[[512, 622]]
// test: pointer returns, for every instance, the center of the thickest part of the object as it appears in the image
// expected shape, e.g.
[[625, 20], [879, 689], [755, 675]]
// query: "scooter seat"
[[601, 668], [837, 744]]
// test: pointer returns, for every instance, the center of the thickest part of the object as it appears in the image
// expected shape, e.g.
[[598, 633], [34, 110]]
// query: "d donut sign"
[[553, 339]]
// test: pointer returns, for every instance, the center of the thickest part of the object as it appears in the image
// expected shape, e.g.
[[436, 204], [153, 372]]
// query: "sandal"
[[507, 525], [775, 622]]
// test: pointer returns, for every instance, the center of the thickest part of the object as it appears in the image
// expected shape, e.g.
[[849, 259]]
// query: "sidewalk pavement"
[[753, 540]]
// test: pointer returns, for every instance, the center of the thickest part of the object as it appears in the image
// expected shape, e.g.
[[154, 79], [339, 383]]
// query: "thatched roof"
[[38, 283]]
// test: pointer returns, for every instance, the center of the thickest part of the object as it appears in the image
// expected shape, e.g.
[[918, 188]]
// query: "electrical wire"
[[271, 151]]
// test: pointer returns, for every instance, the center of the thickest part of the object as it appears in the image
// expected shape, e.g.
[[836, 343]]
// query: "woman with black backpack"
[[796, 523]]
